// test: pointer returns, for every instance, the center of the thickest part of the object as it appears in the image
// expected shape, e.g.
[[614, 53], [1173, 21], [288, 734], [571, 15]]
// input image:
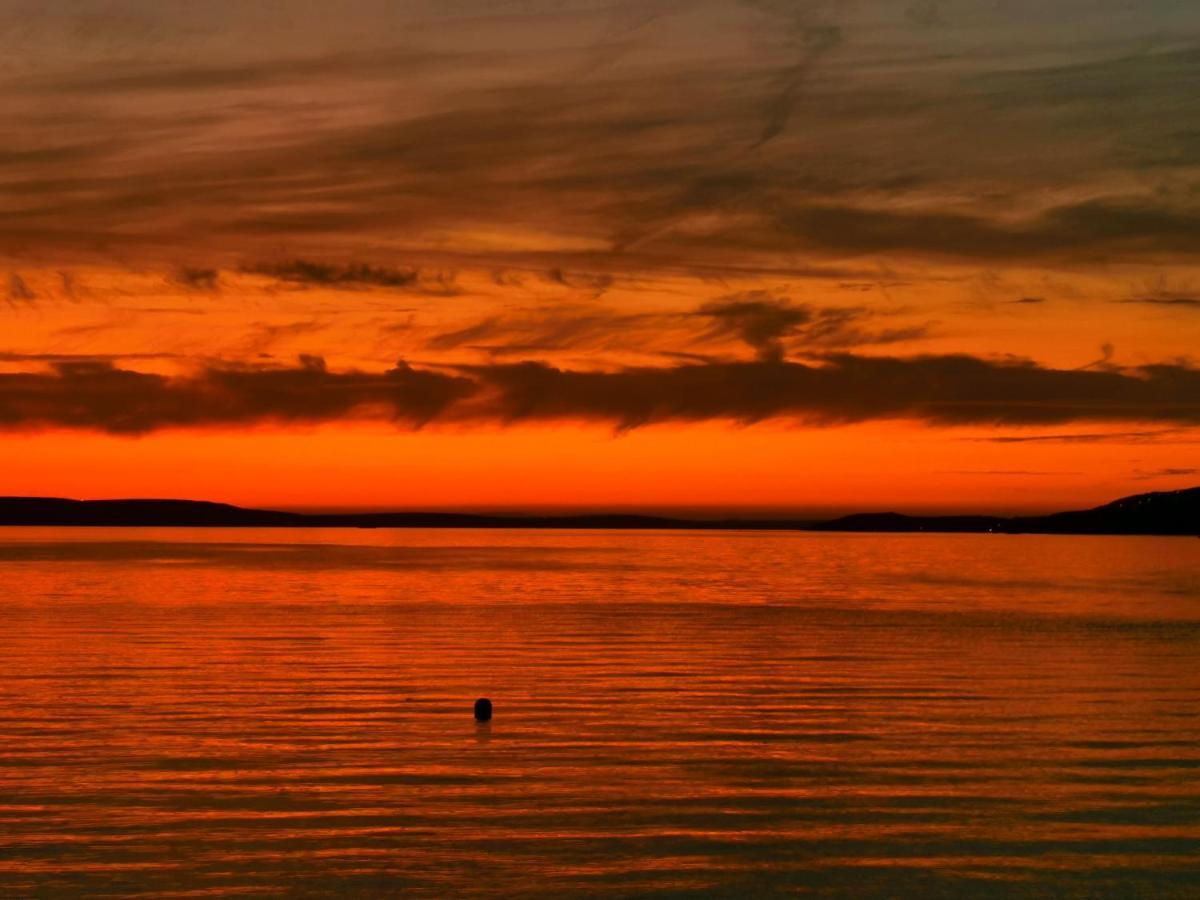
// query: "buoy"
[[483, 709]]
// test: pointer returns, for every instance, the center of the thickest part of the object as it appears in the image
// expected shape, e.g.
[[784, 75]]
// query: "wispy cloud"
[[1084, 437], [803, 32], [1167, 473], [264, 335], [1183, 302], [769, 324], [69, 358], [744, 134]]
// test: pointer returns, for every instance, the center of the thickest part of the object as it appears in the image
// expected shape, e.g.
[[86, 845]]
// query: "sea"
[[274, 712]]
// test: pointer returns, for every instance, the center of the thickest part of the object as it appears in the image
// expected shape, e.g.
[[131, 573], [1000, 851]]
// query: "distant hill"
[[55, 511], [199, 513], [1163, 513], [901, 522]]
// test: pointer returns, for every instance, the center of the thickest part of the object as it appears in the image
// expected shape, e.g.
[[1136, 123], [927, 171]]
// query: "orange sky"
[[729, 255]]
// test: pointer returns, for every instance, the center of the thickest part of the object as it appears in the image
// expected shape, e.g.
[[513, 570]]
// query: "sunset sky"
[[769, 255]]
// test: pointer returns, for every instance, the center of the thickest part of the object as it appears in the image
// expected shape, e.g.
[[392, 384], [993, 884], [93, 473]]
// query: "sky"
[[786, 256]]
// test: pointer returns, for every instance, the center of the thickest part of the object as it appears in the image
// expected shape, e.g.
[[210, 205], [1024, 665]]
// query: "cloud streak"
[[1084, 437], [307, 272], [805, 35], [846, 124], [1179, 302], [99, 396], [771, 325], [843, 388]]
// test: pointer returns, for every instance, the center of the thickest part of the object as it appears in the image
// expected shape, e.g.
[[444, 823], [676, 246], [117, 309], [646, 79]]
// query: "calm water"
[[218, 711]]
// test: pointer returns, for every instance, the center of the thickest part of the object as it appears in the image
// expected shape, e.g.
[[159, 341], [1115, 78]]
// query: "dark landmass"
[[198, 513], [899, 522], [1165, 512], [1162, 513]]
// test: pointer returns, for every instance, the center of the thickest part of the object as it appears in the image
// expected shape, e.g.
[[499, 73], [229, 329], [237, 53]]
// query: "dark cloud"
[[300, 271], [775, 326], [941, 390], [99, 396], [944, 390], [758, 319], [358, 276], [199, 279], [596, 283], [19, 291], [1105, 362]]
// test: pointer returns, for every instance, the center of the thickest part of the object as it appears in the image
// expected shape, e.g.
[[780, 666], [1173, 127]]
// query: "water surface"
[[677, 714]]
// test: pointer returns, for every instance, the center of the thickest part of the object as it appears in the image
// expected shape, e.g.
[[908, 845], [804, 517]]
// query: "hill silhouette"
[[1160, 513], [1163, 513]]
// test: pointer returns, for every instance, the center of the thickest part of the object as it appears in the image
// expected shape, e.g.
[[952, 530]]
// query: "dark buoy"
[[483, 710]]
